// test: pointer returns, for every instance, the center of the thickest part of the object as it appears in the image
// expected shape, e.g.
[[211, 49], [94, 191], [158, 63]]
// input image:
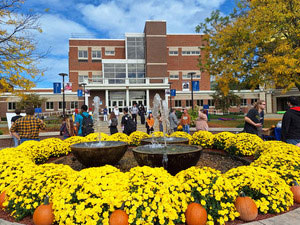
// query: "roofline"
[[187, 34], [95, 39]]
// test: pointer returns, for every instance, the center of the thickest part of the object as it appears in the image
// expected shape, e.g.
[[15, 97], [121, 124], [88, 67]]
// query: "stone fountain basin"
[[92, 154], [169, 140], [180, 157]]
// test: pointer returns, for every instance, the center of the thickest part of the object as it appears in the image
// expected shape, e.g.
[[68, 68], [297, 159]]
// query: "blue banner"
[[37, 110], [79, 93], [56, 88], [173, 92], [195, 85], [205, 106]]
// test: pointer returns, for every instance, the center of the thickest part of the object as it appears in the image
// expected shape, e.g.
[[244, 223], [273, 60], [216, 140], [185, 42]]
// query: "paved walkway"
[[290, 218]]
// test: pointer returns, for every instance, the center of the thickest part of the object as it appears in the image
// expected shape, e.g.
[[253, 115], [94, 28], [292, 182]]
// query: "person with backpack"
[[127, 123], [113, 123], [67, 128], [84, 122]]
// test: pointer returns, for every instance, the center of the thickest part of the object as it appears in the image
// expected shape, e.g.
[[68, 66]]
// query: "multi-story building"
[[132, 70]]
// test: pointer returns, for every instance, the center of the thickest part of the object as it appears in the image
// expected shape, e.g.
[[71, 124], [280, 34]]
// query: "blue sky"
[[60, 19]]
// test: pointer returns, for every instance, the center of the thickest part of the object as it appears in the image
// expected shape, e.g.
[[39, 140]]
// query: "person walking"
[[134, 112], [290, 128], [113, 123], [150, 123], [105, 112], [185, 121], [14, 119], [67, 128], [116, 111], [173, 121], [142, 113], [27, 127], [255, 118], [201, 122]]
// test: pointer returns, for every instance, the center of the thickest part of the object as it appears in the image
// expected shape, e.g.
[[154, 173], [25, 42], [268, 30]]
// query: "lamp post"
[[170, 83], [192, 92], [83, 85], [64, 104]]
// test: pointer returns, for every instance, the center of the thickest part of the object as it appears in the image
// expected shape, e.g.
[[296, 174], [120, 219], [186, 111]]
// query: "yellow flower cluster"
[[220, 139], [96, 136], [90, 196], [41, 151], [137, 136], [243, 144], [154, 197], [121, 137], [208, 187], [270, 193], [158, 134], [183, 135], [203, 138], [282, 158]]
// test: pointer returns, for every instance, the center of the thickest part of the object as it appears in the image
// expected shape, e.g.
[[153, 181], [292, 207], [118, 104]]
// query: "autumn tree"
[[32, 99], [18, 55], [258, 43]]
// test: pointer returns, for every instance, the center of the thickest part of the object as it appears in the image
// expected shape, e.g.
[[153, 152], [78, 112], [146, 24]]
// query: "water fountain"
[[165, 151], [99, 153]]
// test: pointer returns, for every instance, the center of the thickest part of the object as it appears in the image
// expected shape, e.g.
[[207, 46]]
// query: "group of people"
[[290, 127], [27, 127]]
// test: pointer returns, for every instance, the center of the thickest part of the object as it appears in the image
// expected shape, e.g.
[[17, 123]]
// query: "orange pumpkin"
[[43, 215], [195, 214], [2, 199], [118, 217], [246, 207], [296, 191]]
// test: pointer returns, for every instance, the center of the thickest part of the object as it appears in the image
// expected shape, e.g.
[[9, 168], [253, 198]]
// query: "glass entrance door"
[[118, 103]]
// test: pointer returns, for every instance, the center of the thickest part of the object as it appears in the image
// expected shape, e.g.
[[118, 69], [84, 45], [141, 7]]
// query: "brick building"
[[132, 70]]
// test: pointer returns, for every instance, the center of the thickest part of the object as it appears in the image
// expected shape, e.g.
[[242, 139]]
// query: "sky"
[[63, 19]]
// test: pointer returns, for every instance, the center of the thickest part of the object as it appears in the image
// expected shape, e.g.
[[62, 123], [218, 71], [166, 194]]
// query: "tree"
[[225, 101], [18, 57], [33, 100], [258, 43]]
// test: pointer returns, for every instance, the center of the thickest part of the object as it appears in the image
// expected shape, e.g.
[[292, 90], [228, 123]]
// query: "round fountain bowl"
[[180, 157], [169, 140], [93, 154]]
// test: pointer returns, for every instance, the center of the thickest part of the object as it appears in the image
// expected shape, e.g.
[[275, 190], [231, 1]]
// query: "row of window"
[[184, 76], [49, 105], [184, 53], [96, 55]]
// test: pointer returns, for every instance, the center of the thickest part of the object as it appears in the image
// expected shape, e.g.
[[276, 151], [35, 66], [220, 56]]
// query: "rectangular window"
[[173, 52], [190, 52], [186, 76], [211, 102], [177, 103], [82, 54], [199, 102], [253, 100], [96, 55], [115, 72], [60, 105], [49, 105], [188, 103], [109, 52], [174, 76], [244, 102], [11, 106], [135, 47], [83, 78], [97, 79], [74, 105]]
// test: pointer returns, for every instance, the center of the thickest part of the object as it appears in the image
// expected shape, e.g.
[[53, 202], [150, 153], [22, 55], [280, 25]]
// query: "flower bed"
[[148, 195]]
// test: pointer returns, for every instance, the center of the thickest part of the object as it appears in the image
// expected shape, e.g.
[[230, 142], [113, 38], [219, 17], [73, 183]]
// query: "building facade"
[[132, 70]]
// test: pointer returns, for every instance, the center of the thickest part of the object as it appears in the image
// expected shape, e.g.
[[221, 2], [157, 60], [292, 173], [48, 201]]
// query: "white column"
[[127, 98], [106, 98], [147, 100], [269, 102]]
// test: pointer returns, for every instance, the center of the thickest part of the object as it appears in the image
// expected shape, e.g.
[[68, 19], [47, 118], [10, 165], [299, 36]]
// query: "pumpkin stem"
[[242, 194], [46, 200], [295, 183]]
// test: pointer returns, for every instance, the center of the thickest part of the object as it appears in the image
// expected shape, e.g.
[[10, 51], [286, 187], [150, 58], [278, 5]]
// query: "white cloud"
[[117, 17]]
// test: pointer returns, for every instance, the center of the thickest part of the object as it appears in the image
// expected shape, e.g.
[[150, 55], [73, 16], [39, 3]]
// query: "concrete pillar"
[[269, 103], [106, 98], [148, 99], [127, 98]]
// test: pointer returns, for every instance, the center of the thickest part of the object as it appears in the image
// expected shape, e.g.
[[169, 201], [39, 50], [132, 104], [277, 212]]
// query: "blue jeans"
[[293, 141], [16, 141], [186, 128], [28, 139]]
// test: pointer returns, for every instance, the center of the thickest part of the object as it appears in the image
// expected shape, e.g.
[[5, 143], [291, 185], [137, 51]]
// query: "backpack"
[[131, 125], [114, 122], [87, 125]]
